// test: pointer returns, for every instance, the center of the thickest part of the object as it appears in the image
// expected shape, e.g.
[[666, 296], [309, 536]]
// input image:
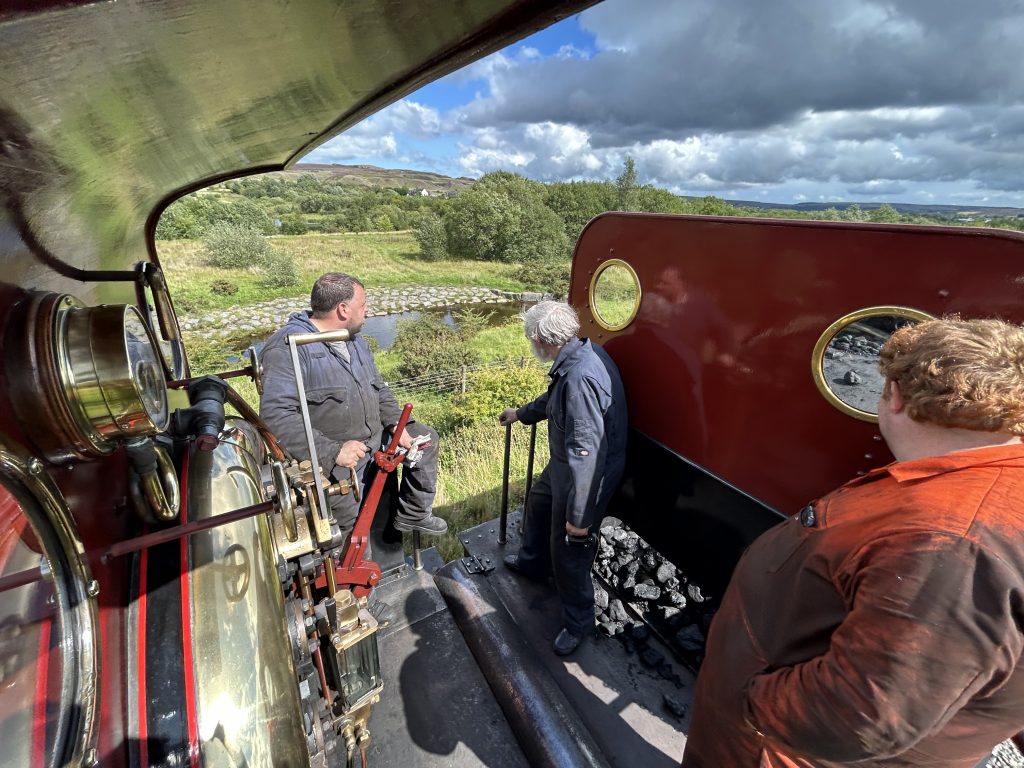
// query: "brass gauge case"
[[88, 378]]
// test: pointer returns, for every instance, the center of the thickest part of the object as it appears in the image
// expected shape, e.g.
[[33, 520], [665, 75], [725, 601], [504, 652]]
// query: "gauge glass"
[[146, 368]]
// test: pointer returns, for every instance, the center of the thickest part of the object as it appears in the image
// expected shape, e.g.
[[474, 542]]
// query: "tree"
[[432, 237], [625, 186], [885, 214], [293, 224], [578, 202], [503, 218]]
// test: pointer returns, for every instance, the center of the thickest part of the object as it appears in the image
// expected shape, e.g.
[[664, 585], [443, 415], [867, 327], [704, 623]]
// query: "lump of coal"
[[639, 632], [617, 611], [647, 591], [674, 706], [694, 592], [689, 639], [851, 378], [600, 598], [665, 573], [651, 657]]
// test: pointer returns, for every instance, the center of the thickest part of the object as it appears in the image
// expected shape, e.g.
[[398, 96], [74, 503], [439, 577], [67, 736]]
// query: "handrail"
[[503, 516]]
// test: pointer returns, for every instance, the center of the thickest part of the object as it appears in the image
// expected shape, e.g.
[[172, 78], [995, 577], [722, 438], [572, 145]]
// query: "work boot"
[[566, 643], [381, 611], [512, 563], [430, 525]]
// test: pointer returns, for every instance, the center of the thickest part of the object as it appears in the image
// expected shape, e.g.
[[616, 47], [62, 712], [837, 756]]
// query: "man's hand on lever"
[[508, 416], [350, 454]]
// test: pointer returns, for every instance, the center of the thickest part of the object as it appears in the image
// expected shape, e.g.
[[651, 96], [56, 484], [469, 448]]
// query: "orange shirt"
[[882, 626]]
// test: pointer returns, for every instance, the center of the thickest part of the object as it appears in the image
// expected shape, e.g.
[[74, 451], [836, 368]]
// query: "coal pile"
[[648, 593]]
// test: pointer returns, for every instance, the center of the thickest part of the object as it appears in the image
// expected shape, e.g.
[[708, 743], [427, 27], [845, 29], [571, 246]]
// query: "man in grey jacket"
[[350, 406], [585, 406]]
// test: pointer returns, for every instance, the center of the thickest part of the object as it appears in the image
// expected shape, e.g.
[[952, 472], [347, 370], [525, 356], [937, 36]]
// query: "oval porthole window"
[[845, 359], [614, 295]]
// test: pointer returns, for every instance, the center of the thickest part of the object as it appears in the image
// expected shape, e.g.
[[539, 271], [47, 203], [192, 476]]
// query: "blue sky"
[[790, 101]]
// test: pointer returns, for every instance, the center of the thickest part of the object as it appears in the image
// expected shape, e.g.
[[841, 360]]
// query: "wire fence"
[[454, 380]]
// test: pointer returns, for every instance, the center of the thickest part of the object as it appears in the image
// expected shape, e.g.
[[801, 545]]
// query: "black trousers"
[[544, 552], [415, 494]]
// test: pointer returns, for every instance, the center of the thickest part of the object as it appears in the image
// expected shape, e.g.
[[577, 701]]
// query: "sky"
[[912, 101]]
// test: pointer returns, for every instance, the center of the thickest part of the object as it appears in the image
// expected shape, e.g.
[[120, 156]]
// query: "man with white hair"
[[585, 406]]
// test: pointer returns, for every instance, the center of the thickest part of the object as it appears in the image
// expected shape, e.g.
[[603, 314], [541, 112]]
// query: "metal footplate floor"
[[620, 700], [436, 709]]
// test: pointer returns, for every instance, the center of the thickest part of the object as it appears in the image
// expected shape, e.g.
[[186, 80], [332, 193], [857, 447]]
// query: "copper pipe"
[[307, 593], [318, 662], [180, 531]]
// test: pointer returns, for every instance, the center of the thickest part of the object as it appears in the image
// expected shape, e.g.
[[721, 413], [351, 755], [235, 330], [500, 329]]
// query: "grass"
[[378, 259]]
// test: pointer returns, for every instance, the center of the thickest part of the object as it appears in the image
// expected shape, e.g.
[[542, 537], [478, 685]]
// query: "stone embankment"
[[268, 315]]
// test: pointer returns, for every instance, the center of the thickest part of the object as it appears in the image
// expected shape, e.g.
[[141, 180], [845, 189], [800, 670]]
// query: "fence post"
[[463, 379]]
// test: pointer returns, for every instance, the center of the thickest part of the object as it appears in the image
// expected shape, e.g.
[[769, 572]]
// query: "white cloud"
[[803, 100]]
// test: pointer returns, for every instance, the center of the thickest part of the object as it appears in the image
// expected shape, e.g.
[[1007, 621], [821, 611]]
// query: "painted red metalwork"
[[354, 571], [725, 301], [191, 718]]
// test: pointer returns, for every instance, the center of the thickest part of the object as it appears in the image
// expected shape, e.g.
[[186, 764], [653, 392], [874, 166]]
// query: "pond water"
[[384, 328]]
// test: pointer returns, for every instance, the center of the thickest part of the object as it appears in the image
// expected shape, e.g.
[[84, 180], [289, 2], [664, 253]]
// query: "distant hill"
[[437, 184], [372, 176], [950, 211]]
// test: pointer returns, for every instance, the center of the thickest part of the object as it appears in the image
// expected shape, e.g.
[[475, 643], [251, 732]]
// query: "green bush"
[[545, 278], [278, 269], [234, 246], [490, 391], [429, 346], [469, 322], [223, 288], [431, 235], [293, 225]]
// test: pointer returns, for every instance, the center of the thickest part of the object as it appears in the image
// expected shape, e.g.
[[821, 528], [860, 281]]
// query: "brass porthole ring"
[[616, 324], [818, 355]]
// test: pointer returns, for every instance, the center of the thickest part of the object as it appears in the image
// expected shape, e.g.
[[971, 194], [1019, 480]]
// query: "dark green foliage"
[[194, 215], [625, 186], [490, 391], [278, 269], [884, 214], [234, 246], [431, 347], [223, 288], [545, 278], [578, 202], [293, 224], [504, 218], [470, 322], [432, 237]]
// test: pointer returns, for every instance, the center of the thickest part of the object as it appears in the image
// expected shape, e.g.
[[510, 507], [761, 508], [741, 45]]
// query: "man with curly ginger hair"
[[883, 625]]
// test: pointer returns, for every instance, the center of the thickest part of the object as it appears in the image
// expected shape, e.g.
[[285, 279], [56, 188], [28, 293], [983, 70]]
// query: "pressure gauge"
[[97, 377]]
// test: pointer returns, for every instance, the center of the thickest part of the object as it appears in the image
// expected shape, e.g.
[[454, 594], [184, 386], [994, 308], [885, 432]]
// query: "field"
[[379, 259]]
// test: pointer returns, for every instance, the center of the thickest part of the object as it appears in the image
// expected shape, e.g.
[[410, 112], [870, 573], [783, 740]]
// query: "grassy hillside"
[[379, 259]]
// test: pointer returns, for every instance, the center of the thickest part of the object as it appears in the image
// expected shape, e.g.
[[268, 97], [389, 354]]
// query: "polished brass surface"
[[245, 678], [607, 320], [354, 641], [818, 354], [165, 329], [72, 730], [157, 495]]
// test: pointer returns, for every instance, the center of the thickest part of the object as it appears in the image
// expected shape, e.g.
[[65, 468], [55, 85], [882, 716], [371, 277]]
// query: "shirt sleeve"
[[931, 626], [531, 413], [280, 409], [390, 410], [584, 439]]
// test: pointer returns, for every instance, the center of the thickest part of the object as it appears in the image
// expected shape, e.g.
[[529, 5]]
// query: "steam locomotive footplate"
[[474, 564]]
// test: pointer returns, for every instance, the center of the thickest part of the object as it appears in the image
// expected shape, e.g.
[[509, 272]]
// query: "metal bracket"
[[474, 564]]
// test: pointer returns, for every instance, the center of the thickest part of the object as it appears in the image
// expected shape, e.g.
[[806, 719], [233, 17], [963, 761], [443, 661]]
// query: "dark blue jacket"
[[585, 406], [346, 400]]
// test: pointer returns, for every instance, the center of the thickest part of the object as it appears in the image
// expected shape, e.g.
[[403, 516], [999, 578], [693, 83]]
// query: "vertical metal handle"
[[503, 520], [296, 340], [529, 475]]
